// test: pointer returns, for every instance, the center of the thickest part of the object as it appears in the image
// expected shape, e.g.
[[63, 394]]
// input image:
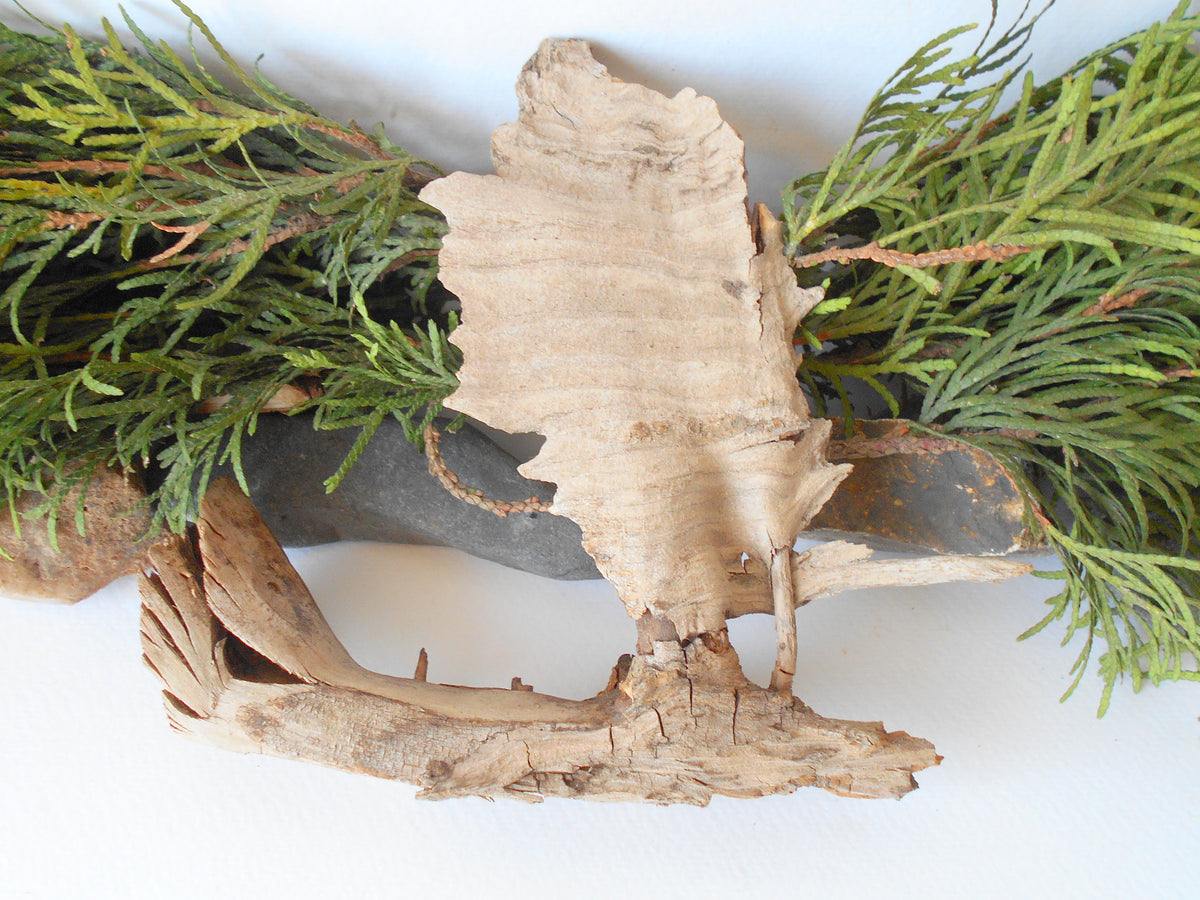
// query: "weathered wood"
[[614, 244], [838, 566], [783, 607], [114, 543], [247, 662], [616, 247]]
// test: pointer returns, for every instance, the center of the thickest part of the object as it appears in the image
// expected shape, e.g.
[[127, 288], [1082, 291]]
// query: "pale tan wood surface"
[[614, 300], [619, 299], [247, 662]]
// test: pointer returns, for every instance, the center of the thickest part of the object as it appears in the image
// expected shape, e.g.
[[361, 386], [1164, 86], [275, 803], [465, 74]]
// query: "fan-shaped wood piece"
[[247, 662], [615, 301]]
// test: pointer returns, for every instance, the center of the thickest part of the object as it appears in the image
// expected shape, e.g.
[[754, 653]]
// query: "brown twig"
[[355, 139], [293, 227], [413, 178], [410, 257], [56, 220], [901, 442], [1109, 303], [93, 167], [1181, 372], [439, 470], [875, 448], [875, 253], [189, 233]]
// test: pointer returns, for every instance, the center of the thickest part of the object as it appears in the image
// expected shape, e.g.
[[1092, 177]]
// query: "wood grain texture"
[[117, 535], [615, 300], [262, 673]]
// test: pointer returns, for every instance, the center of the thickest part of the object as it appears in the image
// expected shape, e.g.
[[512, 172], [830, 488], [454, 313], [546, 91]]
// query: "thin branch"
[[293, 227], [439, 470], [893, 258], [816, 584], [98, 167], [56, 220], [355, 139], [859, 447], [414, 178], [783, 595], [1181, 372], [953, 144], [1108, 303], [410, 257], [862, 447], [190, 233]]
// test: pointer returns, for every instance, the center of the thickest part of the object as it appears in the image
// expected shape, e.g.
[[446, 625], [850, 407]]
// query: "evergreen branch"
[[1072, 362], [174, 254]]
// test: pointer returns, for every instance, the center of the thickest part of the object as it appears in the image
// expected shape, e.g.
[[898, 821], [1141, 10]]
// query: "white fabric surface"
[[1034, 799]]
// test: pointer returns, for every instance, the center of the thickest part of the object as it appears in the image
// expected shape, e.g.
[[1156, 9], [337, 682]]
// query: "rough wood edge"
[[247, 662]]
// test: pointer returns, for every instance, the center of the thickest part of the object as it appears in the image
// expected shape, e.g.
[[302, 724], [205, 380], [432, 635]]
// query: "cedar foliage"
[[165, 241], [1076, 361]]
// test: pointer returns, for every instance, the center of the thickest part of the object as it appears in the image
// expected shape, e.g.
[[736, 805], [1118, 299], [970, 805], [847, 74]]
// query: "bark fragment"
[[114, 543], [614, 243]]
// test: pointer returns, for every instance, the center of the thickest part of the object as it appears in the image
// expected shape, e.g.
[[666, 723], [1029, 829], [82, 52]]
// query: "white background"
[[1035, 799]]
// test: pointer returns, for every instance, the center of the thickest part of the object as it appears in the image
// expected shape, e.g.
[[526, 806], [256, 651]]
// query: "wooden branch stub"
[[783, 595], [115, 543]]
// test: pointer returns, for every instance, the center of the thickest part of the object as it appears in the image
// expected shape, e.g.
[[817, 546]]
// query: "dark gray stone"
[[390, 496], [957, 501]]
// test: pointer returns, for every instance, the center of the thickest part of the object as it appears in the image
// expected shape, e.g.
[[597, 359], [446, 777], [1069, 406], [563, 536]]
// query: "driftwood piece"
[[248, 662], [618, 300], [613, 244], [114, 543]]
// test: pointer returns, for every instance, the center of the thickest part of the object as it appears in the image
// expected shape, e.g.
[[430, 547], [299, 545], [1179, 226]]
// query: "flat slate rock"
[[914, 492], [906, 493]]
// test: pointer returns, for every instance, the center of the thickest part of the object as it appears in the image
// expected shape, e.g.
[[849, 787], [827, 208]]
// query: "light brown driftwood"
[[116, 523], [614, 300], [617, 299], [247, 662]]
